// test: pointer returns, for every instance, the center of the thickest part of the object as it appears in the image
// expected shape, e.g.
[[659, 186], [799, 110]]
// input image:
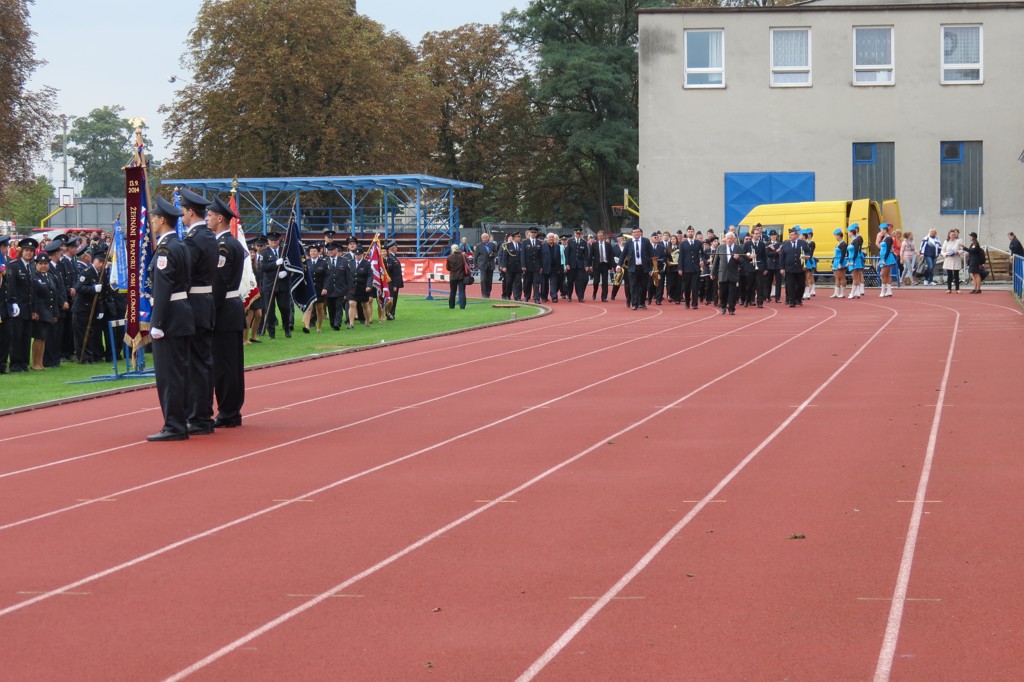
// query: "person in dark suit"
[[726, 269], [577, 265], [5, 306], [89, 309], [55, 332], [202, 246], [46, 301], [274, 287], [691, 263], [550, 268], [69, 272], [229, 318], [529, 256], [360, 280], [19, 294], [509, 263], [601, 260], [173, 323], [760, 261], [393, 266], [791, 262], [638, 255], [337, 286], [485, 255], [656, 289], [748, 282], [318, 267]]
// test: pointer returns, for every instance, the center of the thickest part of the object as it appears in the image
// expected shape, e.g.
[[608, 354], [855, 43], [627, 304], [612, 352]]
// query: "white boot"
[[807, 294], [853, 292], [842, 292], [860, 290], [814, 290]]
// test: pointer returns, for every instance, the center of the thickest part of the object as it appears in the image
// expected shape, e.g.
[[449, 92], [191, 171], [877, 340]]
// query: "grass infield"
[[416, 317]]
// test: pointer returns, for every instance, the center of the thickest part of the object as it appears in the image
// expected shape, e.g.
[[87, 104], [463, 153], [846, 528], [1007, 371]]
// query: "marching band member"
[[810, 263], [773, 287], [855, 261], [839, 264], [886, 259]]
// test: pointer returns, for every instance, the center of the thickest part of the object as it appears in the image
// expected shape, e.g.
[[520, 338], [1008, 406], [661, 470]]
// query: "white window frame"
[[891, 66], [687, 70], [943, 66], [789, 69]]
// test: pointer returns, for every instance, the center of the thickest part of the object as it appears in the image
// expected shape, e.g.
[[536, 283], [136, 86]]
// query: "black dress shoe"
[[167, 435], [194, 430], [732, 312], [723, 311], [305, 330], [287, 333], [270, 333], [226, 423]]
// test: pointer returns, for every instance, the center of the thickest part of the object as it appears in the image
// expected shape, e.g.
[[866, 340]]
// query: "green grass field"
[[416, 317]]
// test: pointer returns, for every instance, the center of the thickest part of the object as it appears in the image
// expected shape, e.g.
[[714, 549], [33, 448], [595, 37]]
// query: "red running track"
[[822, 493]]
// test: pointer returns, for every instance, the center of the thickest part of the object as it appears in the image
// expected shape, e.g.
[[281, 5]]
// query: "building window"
[[874, 171], [873, 56], [791, 57], [961, 54], [705, 59], [960, 178]]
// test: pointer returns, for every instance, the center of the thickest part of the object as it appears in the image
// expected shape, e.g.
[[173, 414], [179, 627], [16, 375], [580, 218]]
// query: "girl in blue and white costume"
[[810, 263], [839, 264], [855, 261], [886, 259]]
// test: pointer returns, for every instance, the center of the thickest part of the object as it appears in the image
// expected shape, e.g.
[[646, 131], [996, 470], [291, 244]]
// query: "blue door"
[[744, 191]]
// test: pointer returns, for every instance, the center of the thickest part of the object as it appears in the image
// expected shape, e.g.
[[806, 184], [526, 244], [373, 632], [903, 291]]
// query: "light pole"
[[65, 119]]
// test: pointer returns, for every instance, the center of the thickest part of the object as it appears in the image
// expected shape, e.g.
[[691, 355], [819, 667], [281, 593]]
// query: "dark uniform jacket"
[[268, 269], [360, 276], [629, 253], [230, 312], [337, 283], [394, 270], [509, 256], [789, 256], [594, 259], [85, 291], [46, 296], [691, 255], [318, 269], [529, 255], [772, 255], [203, 246], [724, 267], [19, 286], [171, 272], [485, 255], [550, 258], [577, 254]]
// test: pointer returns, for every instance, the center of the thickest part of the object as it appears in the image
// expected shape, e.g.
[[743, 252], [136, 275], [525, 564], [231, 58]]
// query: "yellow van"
[[823, 217]]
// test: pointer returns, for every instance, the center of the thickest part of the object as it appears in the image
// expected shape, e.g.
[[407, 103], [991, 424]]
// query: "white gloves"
[[156, 333], [282, 274], [279, 261], [98, 288], [99, 316], [15, 309]]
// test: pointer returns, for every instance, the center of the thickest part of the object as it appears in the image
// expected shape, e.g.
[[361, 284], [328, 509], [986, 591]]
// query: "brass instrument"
[[620, 272], [655, 272]]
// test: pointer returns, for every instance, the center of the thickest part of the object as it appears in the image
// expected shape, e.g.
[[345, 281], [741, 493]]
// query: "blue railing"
[[1018, 277]]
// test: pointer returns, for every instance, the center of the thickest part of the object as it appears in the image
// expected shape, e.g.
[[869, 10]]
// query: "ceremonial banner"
[[380, 275], [139, 252], [119, 259], [247, 288], [300, 278], [179, 226]]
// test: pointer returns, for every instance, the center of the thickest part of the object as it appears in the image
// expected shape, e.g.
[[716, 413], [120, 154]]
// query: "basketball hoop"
[[617, 211], [66, 196]]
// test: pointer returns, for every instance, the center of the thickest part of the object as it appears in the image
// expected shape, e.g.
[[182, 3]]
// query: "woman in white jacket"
[[952, 260]]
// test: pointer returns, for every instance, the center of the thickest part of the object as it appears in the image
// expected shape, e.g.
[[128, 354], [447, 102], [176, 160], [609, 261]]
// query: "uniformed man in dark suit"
[[792, 263], [691, 264], [5, 306], [761, 280], [485, 256], [360, 279], [637, 261], [19, 295], [656, 292], [69, 272], [577, 265], [600, 260], [337, 286], [173, 323], [229, 320], [393, 266], [202, 246], [317, 266], [55, 333], [530, 265], [47, 299], [509, 263]]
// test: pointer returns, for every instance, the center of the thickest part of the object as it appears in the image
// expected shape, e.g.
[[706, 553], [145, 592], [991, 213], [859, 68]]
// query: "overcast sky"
[[107, 52]]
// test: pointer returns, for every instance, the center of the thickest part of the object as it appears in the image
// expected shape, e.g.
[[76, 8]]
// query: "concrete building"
[[828, 100]]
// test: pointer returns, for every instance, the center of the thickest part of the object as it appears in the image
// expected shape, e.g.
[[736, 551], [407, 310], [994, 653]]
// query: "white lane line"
[[305, 377], [266, 627], [892, 629], [330, 486], [537, 666], [272, 410], [173, 477]]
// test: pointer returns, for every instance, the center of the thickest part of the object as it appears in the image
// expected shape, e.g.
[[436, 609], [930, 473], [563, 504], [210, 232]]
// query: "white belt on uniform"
[[201, 290], [232, 294], [179, 296]]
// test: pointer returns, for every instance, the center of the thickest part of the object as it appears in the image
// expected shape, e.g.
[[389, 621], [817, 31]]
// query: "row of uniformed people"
[[198, 318], [343, 283], [84, 300]]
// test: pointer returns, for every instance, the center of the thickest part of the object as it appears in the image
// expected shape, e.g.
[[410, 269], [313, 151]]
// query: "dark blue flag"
[[300, 279]]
